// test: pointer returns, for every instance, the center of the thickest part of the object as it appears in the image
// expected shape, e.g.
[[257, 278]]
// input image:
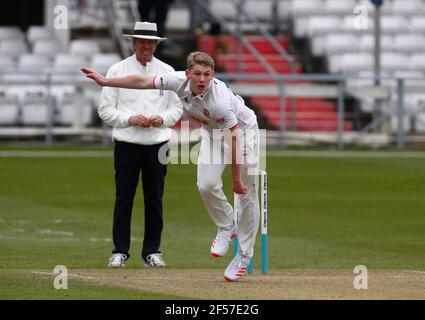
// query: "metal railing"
[[335, 87]]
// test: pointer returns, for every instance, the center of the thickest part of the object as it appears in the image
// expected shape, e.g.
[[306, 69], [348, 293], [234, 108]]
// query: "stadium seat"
[[394, 24], [74, 109], [35, 109], [417, 24], [340, 43], [394, 61], [37, 33], [48, 48], [84, 47], [224, 9], [408, 7], [356, 62], [306, 8], [409, 43], [31, 68], [367, 43], [33, 62], [338, 7], [101, 62], [7, 63], [323, 25], [178, 19], [261, 10], [10, 33], [13, 47], [417, 61], [69, 65], [9, 110]]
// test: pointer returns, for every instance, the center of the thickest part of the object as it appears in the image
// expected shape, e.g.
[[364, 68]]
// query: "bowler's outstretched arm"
[[129, 82]]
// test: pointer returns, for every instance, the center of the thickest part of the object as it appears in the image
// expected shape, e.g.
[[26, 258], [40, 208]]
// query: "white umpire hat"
[[145, 30]]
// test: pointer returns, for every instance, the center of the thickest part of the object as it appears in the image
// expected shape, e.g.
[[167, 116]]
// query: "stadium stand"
[[321, 36]]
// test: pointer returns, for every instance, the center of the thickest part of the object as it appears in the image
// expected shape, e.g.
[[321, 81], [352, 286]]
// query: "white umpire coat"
[[118, 105]]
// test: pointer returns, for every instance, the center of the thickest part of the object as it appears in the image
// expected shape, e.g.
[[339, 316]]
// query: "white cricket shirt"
[[217, 108], [118, 105]]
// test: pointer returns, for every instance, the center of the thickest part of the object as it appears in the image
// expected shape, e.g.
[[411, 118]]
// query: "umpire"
[[140, 121]]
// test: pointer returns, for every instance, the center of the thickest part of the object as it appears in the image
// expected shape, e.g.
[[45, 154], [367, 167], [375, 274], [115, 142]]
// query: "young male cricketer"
[[216, 107]]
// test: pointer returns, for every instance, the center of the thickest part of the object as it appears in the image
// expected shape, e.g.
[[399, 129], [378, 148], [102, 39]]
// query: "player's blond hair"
[[201, 58]]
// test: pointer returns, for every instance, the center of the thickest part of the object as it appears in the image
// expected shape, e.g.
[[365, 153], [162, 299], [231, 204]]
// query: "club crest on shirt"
[[162, 81], [206, 112]]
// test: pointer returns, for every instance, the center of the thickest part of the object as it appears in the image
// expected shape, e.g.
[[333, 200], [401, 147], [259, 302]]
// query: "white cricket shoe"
[[220, 244], [117, 260], [237, 268], [154, 260]]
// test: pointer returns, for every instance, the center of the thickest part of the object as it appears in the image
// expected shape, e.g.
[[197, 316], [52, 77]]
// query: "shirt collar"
[[141, 66]]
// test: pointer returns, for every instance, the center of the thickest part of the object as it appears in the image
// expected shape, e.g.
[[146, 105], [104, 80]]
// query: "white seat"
[[300, 26], [394, 24], [9, 110], [391, 61], [178, 19], [102, 62], [21, 91], [10, 33], [367, 43], [417, 24], [306, 8], [356, 62], [33, 62], [37, 33], [69, 61], [406, 123], [223, 8], [7, 62], [341, 43], [13, 47], [417, 61], [323, 25], [261, 10], [408, 7], [75, 110], [84, 47], [35, 109], [47, 47], [409, 43], [420, 122], [31, 69], [339, 7]]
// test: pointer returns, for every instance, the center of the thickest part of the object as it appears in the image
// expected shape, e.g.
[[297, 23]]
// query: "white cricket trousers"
[[211, 164]]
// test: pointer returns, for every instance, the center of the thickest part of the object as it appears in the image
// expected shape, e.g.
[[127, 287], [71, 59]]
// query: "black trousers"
[[130, 160]]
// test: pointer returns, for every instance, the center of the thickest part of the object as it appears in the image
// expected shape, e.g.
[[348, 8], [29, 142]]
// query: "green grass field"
[[323, 213]]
